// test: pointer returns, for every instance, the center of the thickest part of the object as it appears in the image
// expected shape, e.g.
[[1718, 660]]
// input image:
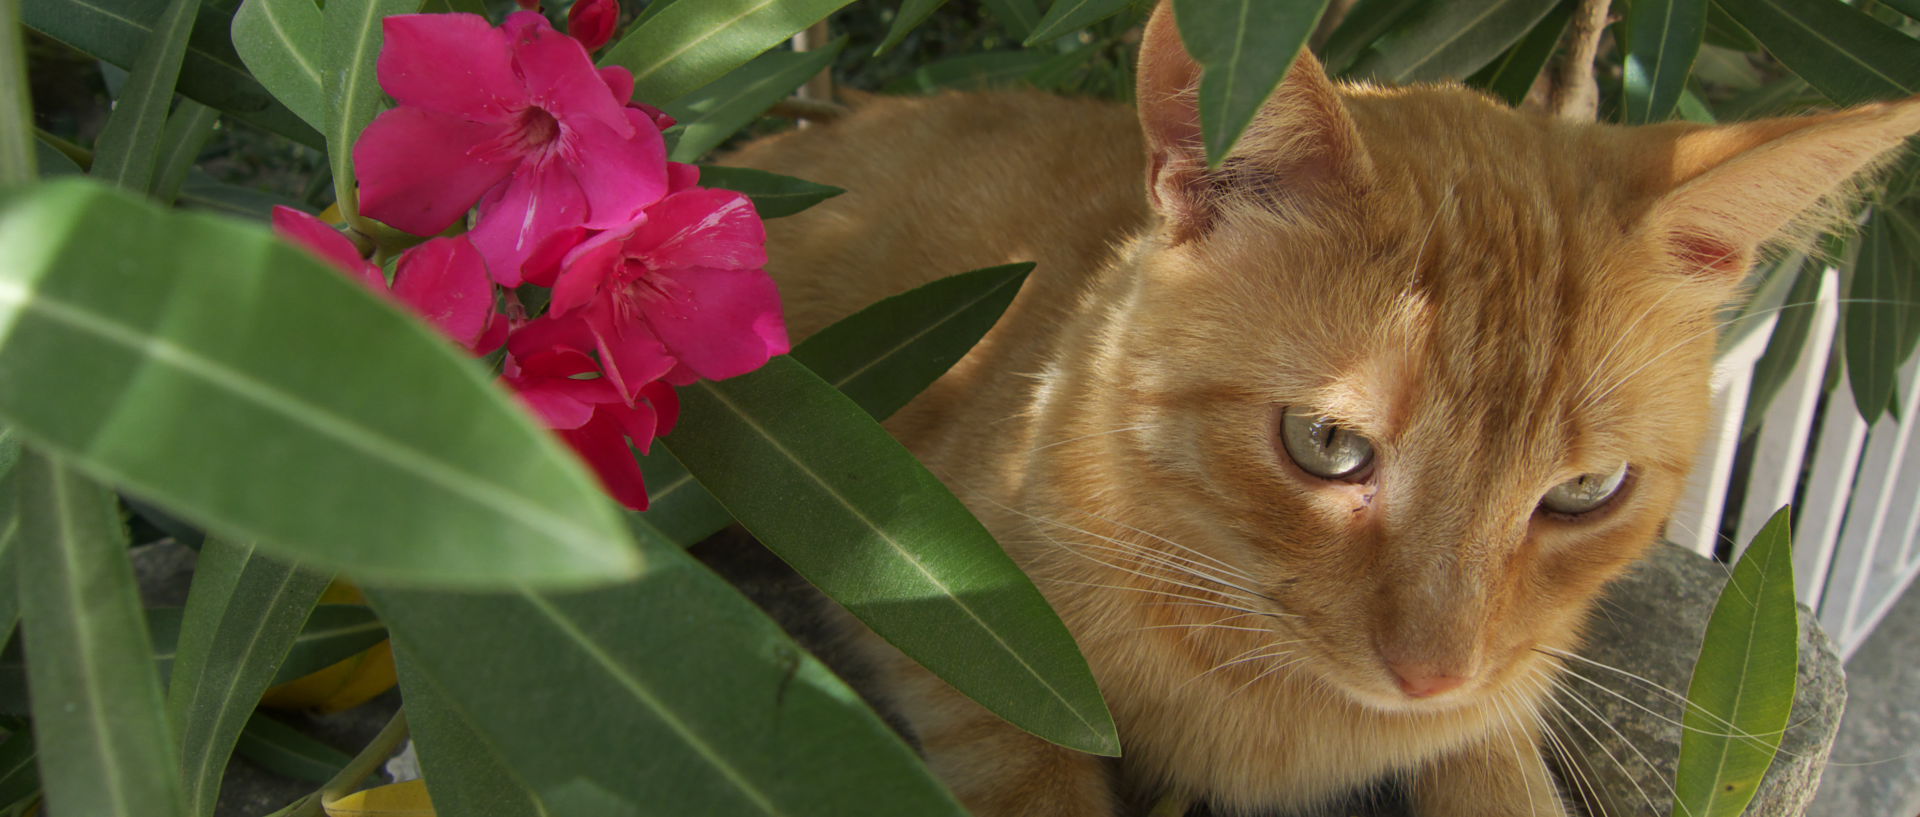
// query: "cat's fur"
[[1501, 302]]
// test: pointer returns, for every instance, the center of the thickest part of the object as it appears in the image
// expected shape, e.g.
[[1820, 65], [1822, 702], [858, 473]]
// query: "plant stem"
[[16, 107]]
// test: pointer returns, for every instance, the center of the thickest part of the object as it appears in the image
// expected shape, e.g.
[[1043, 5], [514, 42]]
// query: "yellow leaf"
[[345, 685], [407, 799]]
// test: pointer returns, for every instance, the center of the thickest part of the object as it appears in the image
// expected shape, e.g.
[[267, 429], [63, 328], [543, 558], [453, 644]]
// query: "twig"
[[1576, 95]]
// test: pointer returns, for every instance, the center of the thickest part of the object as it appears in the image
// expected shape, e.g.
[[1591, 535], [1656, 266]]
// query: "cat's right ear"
[[1302, 147]]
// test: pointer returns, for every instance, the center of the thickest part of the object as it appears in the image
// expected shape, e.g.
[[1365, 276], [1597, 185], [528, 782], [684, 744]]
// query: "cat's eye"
[[1322, 448], [1584, 493]]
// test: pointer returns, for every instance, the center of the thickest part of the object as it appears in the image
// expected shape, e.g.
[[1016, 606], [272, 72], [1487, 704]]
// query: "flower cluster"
[[560, 181]]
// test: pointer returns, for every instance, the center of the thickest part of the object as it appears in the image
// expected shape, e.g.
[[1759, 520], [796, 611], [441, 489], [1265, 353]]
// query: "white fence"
[[1856, 514]]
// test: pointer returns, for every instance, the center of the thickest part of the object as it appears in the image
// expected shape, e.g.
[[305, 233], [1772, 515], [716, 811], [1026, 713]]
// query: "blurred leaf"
[[202, 192], [211, 73], [827, 489], [1018, 17], [1879, 320], [19, 779], [284, 750], [1066, 16], [215, 355], [912, 13], [1062, 68], [731, 716], [125, 153], [1244, 48], [1903, 179], [1786, 95], [349, 682], [463, 7], [469, 775], [1722, 31], [1665, 36], [243, 613], [1450, 40], [53, 162], [688, 45], [407, 799], [1743, 685], [1735, 70], [1512, 76], [91, 671], [1910, 8], [1364, 24], [1790, 333], [1842, 51], [773, 195], [970, 72], [188, 129], [716, 111]]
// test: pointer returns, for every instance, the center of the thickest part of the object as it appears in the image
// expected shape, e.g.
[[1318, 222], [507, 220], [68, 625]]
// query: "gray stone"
[[1876, 762], [1626, 737]]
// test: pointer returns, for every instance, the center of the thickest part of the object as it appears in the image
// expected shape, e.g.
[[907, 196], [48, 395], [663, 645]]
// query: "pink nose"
[[1423, 680]]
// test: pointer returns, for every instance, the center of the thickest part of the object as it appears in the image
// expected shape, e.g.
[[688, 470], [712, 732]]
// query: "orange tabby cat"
[[1317, 452]]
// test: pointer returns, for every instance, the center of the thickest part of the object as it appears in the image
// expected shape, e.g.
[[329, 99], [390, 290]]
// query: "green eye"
[[1322, 448], [1584, 493]]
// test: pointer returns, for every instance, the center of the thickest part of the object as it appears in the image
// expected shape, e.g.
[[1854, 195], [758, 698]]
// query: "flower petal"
[[446, 281], [320, 238], [539, 200], [544, 263], [666, 406], [718, 322], [449, 63], [559, 76], [416, 172], [603, 445], [586, 267], [630, 355], [702, 228], [621, 174], [619, 82], [592, 23]]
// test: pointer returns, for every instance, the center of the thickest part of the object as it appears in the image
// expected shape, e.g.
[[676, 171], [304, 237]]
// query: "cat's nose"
[[1423, 680]]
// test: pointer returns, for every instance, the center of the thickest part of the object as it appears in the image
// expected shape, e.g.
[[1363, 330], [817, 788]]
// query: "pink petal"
[[620, 174], [666, 406], [321, 239], [630, 355], [619, 82], [415, 171], [702, 228], [540, 199], [660, 119], [553, 347], [555, 408], [494, 336], [603, 445], [681, 176], [585, 270], [718, 322], [592, 23], [543, 265], [449, 63], [637, 420], [560, 77], [446, 282]]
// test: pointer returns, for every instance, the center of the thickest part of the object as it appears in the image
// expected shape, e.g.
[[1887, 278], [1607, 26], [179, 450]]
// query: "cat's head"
[[1428, 371]]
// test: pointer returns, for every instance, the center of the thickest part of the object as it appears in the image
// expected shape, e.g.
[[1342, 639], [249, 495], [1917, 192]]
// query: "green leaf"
[[721, 108], [970, 72], [1066, 16], [1450, 40], [677, 507], [203, 192], [1790, 333], [732, 717], [243, 613], [1878, 318], [691, 44], [1512, 76], [821, 484], [468, 775], [1839, 50], [280, 41], [773, 195], [53, 162], [19, 779], [188, 130], [17, 145], [211, 73], [284, 750], [124, 156], [1725, 33], [1244, 48], [1743, 684], [912, 13], [216, 355], [1664, 37], [101, 726], [1364, 23], [1018, 17]]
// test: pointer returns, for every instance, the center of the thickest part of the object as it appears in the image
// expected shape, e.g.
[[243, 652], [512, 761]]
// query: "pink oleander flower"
[[678, 295], [549, 368], [444, 280], [592, 22], [515, 118]]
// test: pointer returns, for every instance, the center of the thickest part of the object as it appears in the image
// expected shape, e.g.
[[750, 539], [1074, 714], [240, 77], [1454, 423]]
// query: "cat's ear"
[[1734, 188], [1301, 146]]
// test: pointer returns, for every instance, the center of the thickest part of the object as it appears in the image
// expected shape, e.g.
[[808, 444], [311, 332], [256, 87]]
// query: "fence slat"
[[1781, 444], [1696, 522], [1867, 509], [1817, 530]]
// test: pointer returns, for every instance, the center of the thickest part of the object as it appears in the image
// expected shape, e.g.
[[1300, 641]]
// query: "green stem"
[[16, 107], [350, 776], [80, 156]]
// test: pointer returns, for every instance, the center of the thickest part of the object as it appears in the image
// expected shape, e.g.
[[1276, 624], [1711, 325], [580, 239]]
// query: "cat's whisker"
[[1519, 758], [1056, 443], [1739, 734], [1267, 672], [1162, 560], [1541, 686], [1600, 365], [1156, 577], [1181, 600], [1601, 745], [1216, 564], [1219, 563]]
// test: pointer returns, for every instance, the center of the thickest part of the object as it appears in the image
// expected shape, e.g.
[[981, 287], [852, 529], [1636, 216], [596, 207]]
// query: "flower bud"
[[592, 21]]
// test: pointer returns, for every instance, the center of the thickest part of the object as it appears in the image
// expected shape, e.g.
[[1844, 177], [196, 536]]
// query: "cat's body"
[[1500, 303]]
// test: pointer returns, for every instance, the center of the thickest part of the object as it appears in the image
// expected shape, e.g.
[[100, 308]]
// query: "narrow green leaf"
[[1450, 40], [102, 727], [912, 13], [1743, 685], [1838, 49], [216, 354], [17, 145], [188, 130], [1364, 24], [1724, 32], [821, 484], [457, 7], [1244, 48], [243, 613], [1693, 108], [1066, 16], [1664, 37], [352, 37], [19, 780], [970, 72], [1018, 17], [721, 108], [677, 507], [124, 156], [468, 775], [284, 750], [691, 44], [1512, 76], [773, 195], [280, 42], [1878, 317], [52, 162], [731, 716], [202, 192], [1790, 333], [211, 73]]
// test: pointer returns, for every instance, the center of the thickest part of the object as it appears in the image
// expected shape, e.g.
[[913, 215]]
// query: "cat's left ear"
[[1734, 187]]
